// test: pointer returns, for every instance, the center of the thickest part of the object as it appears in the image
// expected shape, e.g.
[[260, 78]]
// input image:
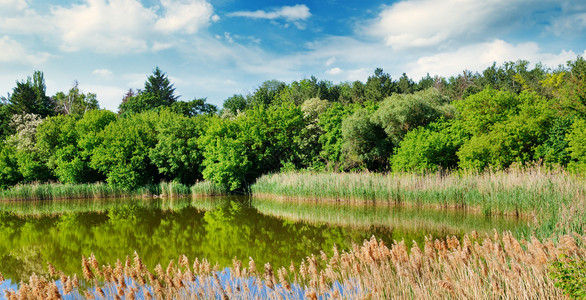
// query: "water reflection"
[[219, 229]]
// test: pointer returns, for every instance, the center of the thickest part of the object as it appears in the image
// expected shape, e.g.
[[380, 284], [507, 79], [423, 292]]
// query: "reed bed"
[[514, 191], [208, 188], [60, 191], [498, 266]]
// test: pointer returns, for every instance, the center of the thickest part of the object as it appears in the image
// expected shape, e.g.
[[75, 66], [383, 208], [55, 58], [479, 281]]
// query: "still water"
[[219, 229]]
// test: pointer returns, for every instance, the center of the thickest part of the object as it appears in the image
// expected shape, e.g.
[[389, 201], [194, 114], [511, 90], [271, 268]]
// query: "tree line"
[[504, 115]]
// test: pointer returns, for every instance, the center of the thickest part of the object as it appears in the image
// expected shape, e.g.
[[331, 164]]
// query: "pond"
[[219, 229]]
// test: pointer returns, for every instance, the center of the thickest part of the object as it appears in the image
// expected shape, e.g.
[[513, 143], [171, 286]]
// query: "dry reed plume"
[[490, 267]]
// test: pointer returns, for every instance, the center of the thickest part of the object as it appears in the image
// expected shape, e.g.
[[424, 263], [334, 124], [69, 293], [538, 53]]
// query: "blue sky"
[[217, 48]]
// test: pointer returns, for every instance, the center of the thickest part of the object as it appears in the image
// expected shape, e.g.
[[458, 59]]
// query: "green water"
[[219, 229]]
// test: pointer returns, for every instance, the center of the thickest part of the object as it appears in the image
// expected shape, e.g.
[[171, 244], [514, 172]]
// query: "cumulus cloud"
[[289, 13], [432, 23], [334, 71], [10, 7], [109, 26], [14, 52], [116, 26], [479, 56], [185, 15]]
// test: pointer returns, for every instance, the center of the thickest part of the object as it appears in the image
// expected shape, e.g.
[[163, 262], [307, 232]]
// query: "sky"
[[217, 48]]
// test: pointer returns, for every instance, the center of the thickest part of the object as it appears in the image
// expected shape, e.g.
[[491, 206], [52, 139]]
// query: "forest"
[[507, 115]]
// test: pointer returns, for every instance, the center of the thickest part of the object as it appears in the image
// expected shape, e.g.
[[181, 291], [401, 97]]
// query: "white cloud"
[[330, 61], [14, 52], [115, 26], [102, 72], [479, 56], [158, 46], [334, 71], [185, 15], [9, 7], [569, 23], [108, 26], [432, 23], [289, 13]]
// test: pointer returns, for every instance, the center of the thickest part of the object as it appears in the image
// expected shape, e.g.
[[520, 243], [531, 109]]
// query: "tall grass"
[[60, 191], [208, 188], [491, 267], [515, 191]]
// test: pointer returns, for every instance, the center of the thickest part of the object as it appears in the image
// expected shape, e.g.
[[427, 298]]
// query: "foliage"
[[177, 154], [123, 155], [75, 102], [570, 276], [403, 112], [576, 139], [238, 151], [430, 148], [331, 140], [365, 143], [29, 97], [158, 91]]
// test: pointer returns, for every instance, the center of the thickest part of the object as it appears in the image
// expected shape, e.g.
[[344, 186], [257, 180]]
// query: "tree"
[[235, 104], [379, 86], [31, 164], [123, 155], [158, 91], [193, 108], [177, 154], [159, 86], [430, 148], [237, 151], [403, 112], [75, 102], [365, 143], [577, 146], [29, 97]]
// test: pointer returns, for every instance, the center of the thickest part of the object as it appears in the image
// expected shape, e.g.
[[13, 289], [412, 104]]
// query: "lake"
[[219, 229]]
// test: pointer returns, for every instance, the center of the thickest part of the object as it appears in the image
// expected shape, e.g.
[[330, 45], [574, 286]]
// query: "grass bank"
[[476, 267], [60, 191]]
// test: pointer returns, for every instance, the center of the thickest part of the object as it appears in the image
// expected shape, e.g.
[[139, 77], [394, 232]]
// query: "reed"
[[496, 266], [532, 191], [60, 191], [207, 188]]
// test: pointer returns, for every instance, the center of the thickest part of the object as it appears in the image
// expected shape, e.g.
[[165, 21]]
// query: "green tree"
[[193, 108], [158, 91], [29, 97], [308, 144], [430, 148], [237, 151], [75, 102], [235, 104], [9, 173], [403, 112], [366, 145], [331, 139], [577, 146], [379, 86], [123, 155], [160, 87], [177, 154]]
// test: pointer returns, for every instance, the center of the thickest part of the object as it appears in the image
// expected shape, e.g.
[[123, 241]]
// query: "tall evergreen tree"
[[159, 85]]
